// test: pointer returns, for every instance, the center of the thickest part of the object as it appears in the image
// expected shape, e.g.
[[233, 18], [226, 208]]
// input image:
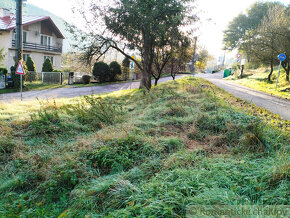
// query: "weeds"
[[133, 153], [119, 155], [96, 112]]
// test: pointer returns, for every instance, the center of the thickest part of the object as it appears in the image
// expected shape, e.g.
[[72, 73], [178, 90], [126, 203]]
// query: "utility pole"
[[194, 52], [18, 53], [224, 58]]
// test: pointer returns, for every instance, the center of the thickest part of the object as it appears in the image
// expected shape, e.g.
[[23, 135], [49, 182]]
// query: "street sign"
[[19, 69], [132, 65], [281, 57]]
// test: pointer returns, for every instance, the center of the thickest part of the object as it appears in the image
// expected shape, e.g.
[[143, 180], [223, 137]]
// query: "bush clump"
[[115, 69], [3, 70], [96, 112], [105, 73], [102, 72], [86, 79]]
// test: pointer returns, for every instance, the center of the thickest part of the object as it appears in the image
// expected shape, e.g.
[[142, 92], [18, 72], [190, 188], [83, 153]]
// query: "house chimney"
[[4, 12]]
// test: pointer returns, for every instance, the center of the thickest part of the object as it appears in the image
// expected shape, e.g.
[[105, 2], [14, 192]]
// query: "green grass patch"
[[258, 79], [132, 153]]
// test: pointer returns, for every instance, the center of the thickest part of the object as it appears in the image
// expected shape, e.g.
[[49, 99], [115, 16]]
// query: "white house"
[[41, 39]]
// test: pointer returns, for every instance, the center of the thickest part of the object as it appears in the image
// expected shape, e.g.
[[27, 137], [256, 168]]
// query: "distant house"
[[41, 39]]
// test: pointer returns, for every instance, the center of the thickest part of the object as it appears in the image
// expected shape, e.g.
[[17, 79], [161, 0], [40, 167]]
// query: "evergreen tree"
[[47, 66], [30, 64], [115, 69], [125, 68]]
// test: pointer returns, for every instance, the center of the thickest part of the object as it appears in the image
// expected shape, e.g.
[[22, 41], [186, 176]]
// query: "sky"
[[210, 34]]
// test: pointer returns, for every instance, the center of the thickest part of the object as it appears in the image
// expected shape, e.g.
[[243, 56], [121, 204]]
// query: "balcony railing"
[[35, 46]]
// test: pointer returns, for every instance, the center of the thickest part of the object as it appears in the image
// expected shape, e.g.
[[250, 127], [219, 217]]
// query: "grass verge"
[[132, 153], [258, 80]]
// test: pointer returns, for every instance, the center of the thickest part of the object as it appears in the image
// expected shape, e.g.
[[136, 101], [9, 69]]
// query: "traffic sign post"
[[20, 71], [281, 57], [132, 68]]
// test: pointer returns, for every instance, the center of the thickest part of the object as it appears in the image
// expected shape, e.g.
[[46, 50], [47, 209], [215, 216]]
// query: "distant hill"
[[34, 10]]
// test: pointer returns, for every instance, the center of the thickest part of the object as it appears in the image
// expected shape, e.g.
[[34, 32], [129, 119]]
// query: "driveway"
[[274, 104], [72, 92]]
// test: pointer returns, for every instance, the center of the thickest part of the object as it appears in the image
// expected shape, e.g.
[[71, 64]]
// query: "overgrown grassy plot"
[[132, 153]]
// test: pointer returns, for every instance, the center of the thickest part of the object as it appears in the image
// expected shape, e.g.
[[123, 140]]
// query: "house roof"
[[9, 23]]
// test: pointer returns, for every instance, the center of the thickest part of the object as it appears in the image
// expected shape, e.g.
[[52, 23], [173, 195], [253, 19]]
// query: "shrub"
[[47, 66], [3, 70], [86, 79], [115, 69], [126, 62], [125, 68], [96, 112], [16, 77], [31, 74], [101, 71], [30, 64], [45, 122]]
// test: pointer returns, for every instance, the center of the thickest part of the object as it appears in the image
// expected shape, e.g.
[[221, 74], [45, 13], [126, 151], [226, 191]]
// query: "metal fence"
[[54, 77]]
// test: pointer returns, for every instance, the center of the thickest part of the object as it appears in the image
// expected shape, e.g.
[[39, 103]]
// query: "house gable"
[[47, 25]]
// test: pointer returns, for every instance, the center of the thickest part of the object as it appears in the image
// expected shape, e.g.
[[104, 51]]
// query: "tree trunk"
[[286, 67], [270, 74], [156, 81], [145, 80], [241, 72], [171, 70], [147, 65]]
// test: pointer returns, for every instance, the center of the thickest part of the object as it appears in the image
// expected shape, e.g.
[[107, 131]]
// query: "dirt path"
[[72, 92], [274, 104]]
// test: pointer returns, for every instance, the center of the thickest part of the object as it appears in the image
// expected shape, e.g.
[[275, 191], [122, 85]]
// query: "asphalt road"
[[274, 104], [72, 91]]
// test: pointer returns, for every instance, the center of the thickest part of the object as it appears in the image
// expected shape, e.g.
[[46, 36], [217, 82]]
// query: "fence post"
[[42, 77], [61, 78]]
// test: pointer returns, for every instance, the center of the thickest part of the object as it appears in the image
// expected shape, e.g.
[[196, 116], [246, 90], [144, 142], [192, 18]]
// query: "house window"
[[50, 58], [25, 56], [45, 40], [24, 36]]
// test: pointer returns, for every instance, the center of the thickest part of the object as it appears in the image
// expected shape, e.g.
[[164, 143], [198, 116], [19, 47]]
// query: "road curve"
[[72, 91], [274, 104]]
